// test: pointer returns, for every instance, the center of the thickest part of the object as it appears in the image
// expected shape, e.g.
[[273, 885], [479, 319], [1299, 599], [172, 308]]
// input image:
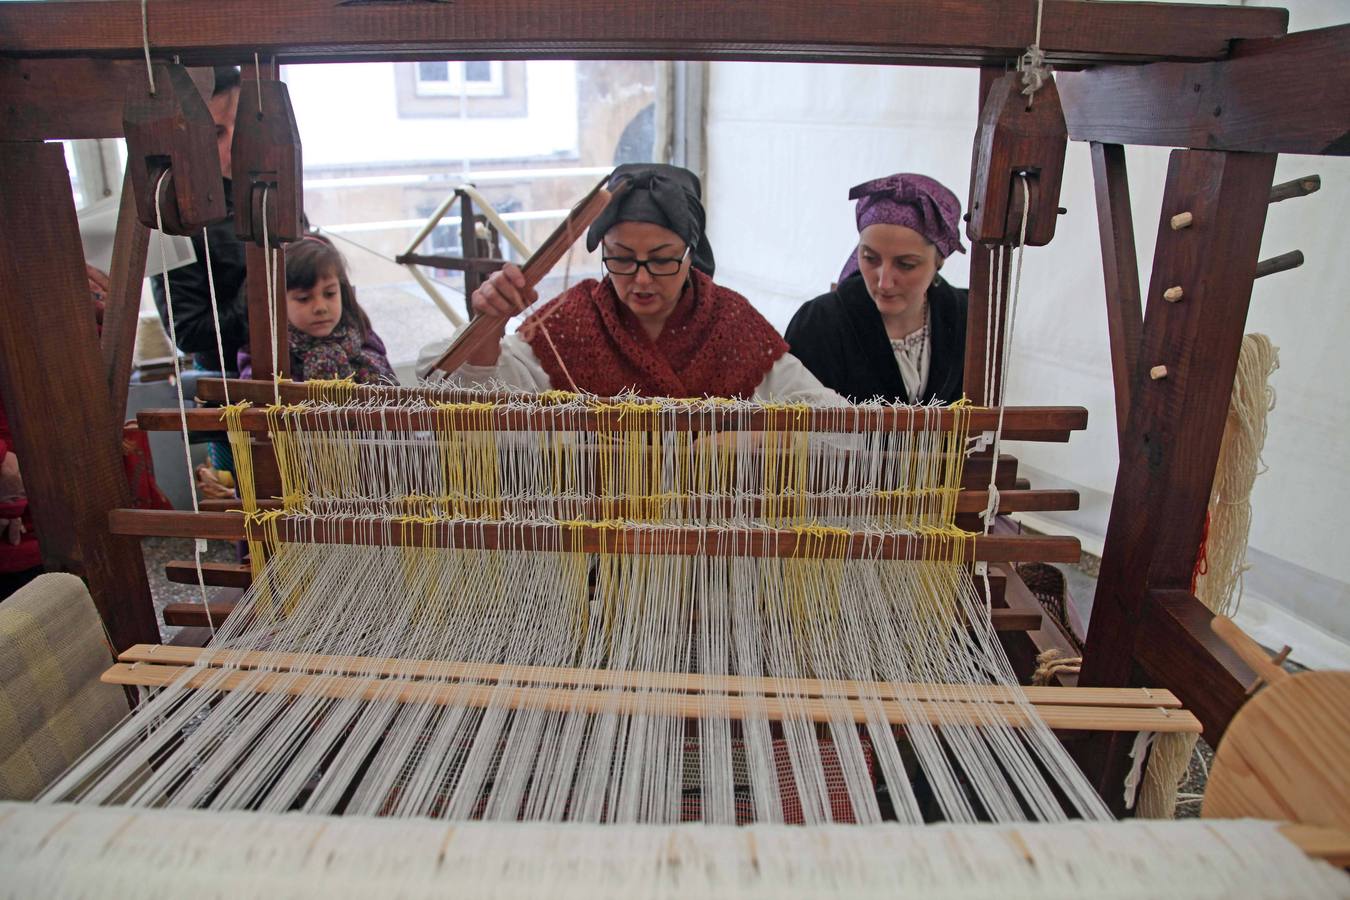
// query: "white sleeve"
[[791, 382], [517, 368]]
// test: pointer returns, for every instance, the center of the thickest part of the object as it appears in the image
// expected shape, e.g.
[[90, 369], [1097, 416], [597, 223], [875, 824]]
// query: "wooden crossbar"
[[587, 538], [1053, 422], [679, 682], [626, 700]]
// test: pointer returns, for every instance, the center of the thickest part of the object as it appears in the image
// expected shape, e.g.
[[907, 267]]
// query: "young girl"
[[330, 335]]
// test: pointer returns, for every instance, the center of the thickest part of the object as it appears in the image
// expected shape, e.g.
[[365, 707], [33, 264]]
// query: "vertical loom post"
[[54, 384], [1175, 425], [981, 289], [259, 334], [122, 312], [1124, 317]]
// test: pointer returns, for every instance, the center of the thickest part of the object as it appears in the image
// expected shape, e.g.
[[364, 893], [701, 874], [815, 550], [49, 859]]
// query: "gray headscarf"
[[663, 195]]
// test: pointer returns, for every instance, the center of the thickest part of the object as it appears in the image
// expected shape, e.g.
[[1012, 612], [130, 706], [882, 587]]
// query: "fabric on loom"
[[715, 344], [52, 705]]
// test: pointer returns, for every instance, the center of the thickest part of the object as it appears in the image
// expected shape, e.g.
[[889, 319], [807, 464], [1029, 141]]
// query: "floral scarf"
[[340, 354]]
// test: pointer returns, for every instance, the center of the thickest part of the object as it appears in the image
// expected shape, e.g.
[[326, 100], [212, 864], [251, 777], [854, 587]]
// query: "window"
[[475, 90], [450, 79]]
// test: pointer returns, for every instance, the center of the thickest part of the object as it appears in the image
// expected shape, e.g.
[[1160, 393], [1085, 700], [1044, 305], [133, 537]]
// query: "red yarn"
[[713, 345], [1201, 556]]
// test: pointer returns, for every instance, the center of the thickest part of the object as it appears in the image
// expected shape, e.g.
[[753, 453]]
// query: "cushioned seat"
[[52, 705]]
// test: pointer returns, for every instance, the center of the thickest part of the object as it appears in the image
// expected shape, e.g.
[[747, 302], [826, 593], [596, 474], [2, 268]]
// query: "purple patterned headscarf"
[[915, 201]]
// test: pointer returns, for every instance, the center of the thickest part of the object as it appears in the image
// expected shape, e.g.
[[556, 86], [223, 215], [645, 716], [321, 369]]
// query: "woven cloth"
[[52, 705]]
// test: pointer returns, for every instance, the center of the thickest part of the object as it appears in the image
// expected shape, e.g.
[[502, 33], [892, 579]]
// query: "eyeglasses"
[[657, 266]]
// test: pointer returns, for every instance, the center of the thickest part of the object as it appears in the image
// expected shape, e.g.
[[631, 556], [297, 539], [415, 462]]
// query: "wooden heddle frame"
[[1225, 84]]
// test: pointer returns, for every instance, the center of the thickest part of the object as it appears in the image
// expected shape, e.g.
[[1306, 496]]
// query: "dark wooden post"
[[260, 345], [1178, 404], [1120, 266], [121, 315], [981, 288], [55, 387]]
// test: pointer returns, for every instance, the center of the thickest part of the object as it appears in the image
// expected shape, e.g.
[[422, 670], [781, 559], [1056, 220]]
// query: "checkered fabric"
[[52, 705]]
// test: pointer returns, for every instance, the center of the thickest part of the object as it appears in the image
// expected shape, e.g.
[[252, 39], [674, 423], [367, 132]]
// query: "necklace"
[[906, 345]]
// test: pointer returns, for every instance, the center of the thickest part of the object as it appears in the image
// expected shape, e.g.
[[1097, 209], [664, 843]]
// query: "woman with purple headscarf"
[[892, 328]]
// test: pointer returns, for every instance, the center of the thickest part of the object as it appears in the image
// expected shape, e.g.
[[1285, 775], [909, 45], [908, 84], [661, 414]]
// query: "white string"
[[198, 545], [145, 42], [215, 312], [270, 266], [257, 80], [1032, 63]]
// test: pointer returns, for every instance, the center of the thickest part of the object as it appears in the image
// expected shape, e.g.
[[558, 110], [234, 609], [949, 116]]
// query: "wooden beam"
[[948, 32], [1171, 444], [122, 311], [1280, 95], [1120, 265], [1177, 647], [214, 574], [662, 540], [1023, 420], [68, 435], [64, 99], [982, 288]]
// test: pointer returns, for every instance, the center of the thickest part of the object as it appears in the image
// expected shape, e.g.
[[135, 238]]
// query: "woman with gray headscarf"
[[656, 324], [892, 328]]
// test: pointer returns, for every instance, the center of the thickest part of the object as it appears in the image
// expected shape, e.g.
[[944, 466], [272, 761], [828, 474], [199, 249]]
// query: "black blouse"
[[842, 340]]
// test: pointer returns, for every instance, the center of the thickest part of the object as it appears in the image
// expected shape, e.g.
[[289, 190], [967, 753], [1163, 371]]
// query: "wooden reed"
[[587, 538]]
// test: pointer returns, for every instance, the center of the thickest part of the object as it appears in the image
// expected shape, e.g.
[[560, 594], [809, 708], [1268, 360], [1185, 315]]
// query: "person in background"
[[657, 324], [20, 553], [194, 323], [329, 334], [892, 328]]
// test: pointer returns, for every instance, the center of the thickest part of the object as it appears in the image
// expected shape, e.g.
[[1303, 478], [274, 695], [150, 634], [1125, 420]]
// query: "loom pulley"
[[170, 135], [1017, 140], [266, 166]]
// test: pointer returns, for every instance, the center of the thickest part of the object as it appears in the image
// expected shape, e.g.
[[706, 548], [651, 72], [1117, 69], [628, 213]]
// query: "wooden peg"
[[1157, 373], [172, 132], [1173, 294], [1182, 220], [1299, 187], [1282, 263]]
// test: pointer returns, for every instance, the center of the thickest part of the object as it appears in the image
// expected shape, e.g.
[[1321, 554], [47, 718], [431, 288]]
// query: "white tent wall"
[[785, 143]]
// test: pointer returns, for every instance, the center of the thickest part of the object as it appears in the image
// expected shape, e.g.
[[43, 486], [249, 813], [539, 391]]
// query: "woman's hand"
[[504, 294]]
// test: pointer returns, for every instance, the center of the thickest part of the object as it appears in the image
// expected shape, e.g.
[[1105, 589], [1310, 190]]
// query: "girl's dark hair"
[[312, 257]]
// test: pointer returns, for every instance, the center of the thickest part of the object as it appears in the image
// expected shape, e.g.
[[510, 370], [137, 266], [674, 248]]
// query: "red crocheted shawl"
[[713, 345]]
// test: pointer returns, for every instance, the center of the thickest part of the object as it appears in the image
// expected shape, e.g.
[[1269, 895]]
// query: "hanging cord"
[[145, 42], [270, 266], [199, 544], [215, 311], [1004, 345], [1032, 63]]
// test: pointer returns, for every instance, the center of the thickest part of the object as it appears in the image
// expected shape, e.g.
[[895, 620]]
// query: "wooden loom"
[[1142, 66]]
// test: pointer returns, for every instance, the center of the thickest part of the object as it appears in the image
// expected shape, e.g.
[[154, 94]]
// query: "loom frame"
[[65, 72]]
